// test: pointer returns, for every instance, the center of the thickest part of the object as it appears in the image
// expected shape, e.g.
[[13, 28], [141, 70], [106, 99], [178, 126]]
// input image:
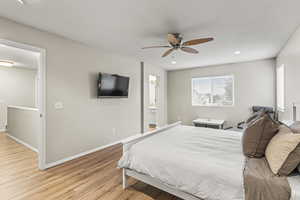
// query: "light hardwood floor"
[[91, 177]]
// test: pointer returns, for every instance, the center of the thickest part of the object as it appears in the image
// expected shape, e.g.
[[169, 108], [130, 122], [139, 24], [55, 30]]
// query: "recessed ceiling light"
[[237, 52], [5, 63], [173, 62], [21, 2]]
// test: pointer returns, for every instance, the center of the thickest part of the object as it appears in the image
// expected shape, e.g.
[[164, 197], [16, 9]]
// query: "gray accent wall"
[[290, 58], [254, 84]]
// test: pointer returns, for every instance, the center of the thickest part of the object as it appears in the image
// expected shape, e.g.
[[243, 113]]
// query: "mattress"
[[207, 163]]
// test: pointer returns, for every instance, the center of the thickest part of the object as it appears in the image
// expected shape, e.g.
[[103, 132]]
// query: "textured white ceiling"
[[257, 28]]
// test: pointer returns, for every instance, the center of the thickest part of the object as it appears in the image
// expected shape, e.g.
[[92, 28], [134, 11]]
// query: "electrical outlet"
[[58, 105]]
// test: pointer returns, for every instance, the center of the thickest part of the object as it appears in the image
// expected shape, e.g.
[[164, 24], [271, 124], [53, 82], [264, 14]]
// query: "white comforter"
[[207, 163]]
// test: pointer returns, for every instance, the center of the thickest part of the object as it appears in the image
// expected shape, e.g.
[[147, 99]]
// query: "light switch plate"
[[58, 105]]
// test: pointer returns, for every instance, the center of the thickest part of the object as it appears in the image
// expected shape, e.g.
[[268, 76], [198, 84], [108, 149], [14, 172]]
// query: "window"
[[153, 91], [213, 91], [280, 88]]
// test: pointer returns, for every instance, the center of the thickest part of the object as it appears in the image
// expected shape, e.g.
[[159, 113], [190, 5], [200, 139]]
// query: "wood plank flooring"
[[91, 177]]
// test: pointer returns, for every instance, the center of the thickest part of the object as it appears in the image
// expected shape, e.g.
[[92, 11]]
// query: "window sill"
[[216, 106], [153, 108]]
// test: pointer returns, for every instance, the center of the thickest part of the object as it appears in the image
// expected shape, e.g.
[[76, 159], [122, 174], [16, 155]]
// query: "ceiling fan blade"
[[156, 47], [197, 41], [189, 50], [172, 39], [168, 52]]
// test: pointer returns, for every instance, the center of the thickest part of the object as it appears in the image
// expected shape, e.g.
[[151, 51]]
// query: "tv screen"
[[112, 85]]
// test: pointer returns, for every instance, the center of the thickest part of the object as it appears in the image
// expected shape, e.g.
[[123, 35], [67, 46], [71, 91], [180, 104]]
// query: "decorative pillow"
[[254, 116], [257, 135], [283, 152], [295, 127], [285, 129]]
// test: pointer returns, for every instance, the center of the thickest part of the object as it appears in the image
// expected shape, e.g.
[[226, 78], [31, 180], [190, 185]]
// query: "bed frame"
[[145, 178]]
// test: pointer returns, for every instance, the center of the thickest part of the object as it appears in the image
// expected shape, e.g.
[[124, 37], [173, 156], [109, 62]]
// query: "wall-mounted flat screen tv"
[[112, 86]]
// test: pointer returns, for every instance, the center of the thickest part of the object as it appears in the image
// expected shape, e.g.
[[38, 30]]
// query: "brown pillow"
[[255, 116], [285, 129], [283, 151], [257, 135]]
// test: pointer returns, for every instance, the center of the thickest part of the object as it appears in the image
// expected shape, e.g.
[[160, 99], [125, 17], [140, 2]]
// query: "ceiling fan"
[[175, 43]]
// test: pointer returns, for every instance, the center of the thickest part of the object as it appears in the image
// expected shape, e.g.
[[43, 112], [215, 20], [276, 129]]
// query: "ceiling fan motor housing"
[[179, 40]]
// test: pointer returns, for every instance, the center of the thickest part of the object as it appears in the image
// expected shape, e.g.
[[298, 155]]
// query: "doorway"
[[153, 101], [40, 94]]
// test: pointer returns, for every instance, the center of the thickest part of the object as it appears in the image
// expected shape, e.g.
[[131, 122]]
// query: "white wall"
[[23, 124], [290, 58], [85, 122], [254, 85], [3, 116], [160, 114], [17, 87]]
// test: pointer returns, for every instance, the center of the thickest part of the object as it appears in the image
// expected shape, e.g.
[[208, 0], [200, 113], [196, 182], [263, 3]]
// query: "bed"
[[190, 162]]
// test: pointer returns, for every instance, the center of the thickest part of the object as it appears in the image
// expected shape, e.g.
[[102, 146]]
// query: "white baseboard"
[[23, 143], [2, 130], [59, 162]]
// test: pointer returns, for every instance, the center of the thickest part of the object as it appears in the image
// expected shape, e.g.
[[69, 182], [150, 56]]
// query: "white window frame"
[[213, 77], [280, 94]]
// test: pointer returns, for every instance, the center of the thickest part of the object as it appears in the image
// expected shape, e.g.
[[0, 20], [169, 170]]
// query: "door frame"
[[41, 95]]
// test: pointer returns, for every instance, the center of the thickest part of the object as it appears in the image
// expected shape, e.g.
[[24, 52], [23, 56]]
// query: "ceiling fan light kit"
[[175, 43], [22, 2], [6, 63]]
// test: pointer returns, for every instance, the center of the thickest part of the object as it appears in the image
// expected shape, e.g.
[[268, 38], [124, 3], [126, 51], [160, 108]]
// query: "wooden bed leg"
[[125, 184]]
